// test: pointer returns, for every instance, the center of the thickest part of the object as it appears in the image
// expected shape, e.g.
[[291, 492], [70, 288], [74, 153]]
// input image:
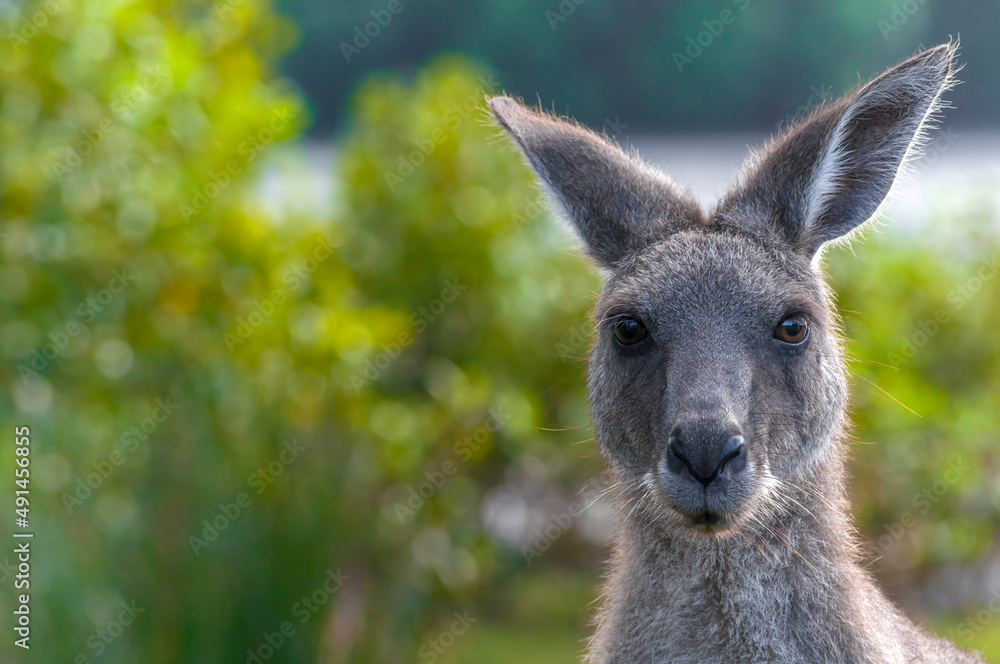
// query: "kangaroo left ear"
[[618, 204], [831, 173]]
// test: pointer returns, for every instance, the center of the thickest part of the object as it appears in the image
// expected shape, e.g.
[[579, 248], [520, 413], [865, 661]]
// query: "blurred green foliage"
[[920, 314], [230, 405], [433, 198], [260, 334], [114, 116]]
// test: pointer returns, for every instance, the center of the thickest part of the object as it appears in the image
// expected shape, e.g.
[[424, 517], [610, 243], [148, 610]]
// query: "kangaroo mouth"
[[706, 518], [711, 522], [715, 511]]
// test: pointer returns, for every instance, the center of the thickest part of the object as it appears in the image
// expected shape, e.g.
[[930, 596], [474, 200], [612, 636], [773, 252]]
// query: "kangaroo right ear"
[[618, 204], [829, 175]]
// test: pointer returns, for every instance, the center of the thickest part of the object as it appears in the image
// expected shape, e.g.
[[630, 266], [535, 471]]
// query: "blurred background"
[[302, 348]]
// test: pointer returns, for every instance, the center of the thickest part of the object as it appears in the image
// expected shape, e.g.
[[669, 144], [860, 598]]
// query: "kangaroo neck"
[[763, 593]]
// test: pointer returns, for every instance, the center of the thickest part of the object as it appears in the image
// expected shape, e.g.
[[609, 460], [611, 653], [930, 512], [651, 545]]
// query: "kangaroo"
[[718, 388]]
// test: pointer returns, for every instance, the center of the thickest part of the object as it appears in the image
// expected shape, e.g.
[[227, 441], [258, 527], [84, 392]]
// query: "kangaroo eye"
[[792, 330], [629, 331]]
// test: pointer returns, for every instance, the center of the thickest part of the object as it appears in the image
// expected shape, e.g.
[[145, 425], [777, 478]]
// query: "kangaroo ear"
[[618, 204], [829, 175]]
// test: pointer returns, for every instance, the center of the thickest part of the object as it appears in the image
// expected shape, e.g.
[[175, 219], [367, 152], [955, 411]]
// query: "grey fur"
[[759, 564]]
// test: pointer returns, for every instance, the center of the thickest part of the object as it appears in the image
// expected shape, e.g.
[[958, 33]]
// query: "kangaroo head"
[[717, 374]]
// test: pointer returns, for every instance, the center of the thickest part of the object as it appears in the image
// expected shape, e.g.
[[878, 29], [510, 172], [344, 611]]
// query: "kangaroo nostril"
[[733, 455], [676, 460]]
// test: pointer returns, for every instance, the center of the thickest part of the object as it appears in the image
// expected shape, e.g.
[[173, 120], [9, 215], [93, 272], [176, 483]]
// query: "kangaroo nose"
[[705, 460]]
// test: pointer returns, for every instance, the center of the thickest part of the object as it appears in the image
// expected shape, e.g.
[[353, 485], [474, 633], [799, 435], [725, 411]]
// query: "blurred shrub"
[[130, 242], [234, 416], [439, 207], [921, 313]]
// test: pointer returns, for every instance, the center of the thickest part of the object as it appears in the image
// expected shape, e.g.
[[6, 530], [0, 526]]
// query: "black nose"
[[704, 458]]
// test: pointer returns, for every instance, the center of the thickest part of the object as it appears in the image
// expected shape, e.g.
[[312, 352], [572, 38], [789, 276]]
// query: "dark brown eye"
[[792, 330], [629, 331]]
